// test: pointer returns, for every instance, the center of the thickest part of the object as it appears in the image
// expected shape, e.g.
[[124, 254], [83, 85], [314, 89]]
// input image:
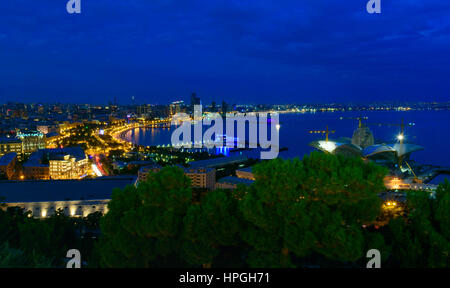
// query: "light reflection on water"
[[162, 136], [431, 130]]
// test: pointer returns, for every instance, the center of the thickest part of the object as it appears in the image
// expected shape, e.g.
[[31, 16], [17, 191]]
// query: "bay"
[[429, 128]]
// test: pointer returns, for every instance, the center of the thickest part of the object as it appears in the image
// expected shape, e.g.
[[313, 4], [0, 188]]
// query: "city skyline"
[[312, 52], [236, 134], [186, 102]]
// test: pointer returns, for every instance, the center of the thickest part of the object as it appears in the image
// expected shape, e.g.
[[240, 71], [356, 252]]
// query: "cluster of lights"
[[113, 131], [328, 146], [390, 204]]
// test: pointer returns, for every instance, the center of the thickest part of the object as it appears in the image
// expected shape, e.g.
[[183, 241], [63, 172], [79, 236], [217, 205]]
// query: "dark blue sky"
[[310, 51]]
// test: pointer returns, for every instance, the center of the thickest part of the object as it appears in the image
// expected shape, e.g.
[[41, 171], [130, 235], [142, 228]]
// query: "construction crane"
[[360, 125], [326, 132], [400, 136], [416, 179]]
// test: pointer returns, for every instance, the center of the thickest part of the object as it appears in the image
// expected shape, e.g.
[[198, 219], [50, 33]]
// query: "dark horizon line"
[[220, 103]]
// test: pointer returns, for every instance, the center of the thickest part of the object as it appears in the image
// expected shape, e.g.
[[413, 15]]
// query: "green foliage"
[[198, 246], [442, 212], [15, 258], [10, 219], [11, 258], [3, 176], [52, 236], [152, 216], [317, 212], [422, 239], [30, 242], [376, 240], [316, 205], [210, 226], [407, 250], [92, 221]]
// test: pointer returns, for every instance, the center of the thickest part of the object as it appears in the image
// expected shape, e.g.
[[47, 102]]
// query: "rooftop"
[[61, 190], [140, 163], [235, 180], [10, 140], [51, 134], [150, 167], [247, 169], [217, 162], [29, 133], [199, 169], [35, 159], [7, 158]]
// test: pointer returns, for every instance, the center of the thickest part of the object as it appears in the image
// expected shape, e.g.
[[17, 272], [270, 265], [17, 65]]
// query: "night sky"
[[259, 51]]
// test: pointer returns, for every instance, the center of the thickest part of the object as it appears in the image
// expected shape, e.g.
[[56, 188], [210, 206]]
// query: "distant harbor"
[[294, 134]]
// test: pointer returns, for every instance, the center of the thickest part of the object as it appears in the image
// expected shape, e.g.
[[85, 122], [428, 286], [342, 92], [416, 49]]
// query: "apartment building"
[[7, 165], [144, 171], [245, 173], [8, 145], [75, 198], [67, 166], [31, 141], [201, 177], [57, 164]]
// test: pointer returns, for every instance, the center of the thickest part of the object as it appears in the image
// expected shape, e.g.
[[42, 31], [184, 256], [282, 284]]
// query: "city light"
[[158, 144], [328, 146], [96, 170], [389, 205]]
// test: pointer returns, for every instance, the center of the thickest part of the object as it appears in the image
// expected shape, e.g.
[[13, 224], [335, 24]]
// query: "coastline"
[[295, 126]]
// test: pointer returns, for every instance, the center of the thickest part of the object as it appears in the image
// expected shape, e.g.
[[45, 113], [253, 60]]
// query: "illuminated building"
[[67, 167], [7, 164], [144, 110], [219, 162], [396, 183], [76, 198], [201, 177], [245, 173], [64, 163], [232, 182], [10, 145], [36, 171], [362, 145], [144, 171], [66, 126], [31, 141], [43, 129], [194, 101], [399, 150], [175, 107], [363, 137]]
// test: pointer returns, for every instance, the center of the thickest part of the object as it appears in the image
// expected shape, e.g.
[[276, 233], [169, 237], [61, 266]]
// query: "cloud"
[[310, 45]]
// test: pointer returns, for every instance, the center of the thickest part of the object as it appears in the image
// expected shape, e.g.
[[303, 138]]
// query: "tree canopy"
[[316, 205], [321, 211]]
